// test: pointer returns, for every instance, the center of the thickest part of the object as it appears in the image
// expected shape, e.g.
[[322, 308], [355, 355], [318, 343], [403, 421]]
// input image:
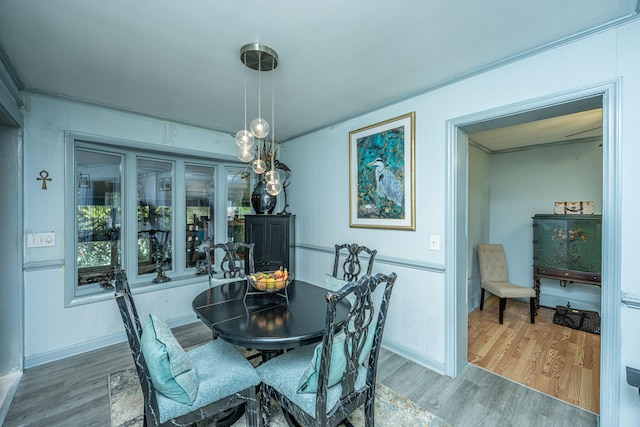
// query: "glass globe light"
[[272, 176], [260, 127], [259, 166], [274, 187], [246, 154], [244, 138]]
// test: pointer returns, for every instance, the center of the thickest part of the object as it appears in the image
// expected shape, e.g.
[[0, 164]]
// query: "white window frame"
[[131, 151]]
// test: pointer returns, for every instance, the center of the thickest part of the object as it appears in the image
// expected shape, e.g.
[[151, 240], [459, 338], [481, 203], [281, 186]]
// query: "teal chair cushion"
[[282, 373], [171, 371], [308, 382], [222, 370], [334, 285]]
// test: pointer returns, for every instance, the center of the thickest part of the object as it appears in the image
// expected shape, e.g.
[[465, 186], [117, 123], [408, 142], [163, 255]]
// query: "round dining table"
[[266, 321]]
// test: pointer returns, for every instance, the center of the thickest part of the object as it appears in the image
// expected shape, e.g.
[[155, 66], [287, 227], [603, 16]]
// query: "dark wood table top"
[[265, 321]]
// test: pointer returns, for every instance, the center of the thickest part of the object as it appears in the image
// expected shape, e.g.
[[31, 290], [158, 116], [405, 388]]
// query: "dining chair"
[[347, 256], [321, 385], [232, 267], [210, 382], [494, 278]]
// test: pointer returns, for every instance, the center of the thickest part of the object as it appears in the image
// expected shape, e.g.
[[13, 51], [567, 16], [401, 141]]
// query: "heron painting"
[[381, 169], [387, 184]]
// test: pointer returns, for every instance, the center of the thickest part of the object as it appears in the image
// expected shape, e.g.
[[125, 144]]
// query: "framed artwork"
[[165, 184], [84, 180], [382, 175]]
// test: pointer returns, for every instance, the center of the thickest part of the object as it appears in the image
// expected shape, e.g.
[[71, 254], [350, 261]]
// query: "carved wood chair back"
[[347, 264]]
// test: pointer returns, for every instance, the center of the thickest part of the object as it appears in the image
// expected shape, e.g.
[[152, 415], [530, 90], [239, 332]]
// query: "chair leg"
[[532, 304], [503, 304], [369, 412], [253, 408], [265, 400], [481, 299]]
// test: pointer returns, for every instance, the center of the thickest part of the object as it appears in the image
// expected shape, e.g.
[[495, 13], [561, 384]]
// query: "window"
[[155, 227], [98, 213], [200, 185], [129, 205], [238, 202]]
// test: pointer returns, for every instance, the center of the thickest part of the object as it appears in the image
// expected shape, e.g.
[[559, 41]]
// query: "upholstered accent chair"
[[320, 385], [347, 264], [210, 382], [232, 267], [494, 278]]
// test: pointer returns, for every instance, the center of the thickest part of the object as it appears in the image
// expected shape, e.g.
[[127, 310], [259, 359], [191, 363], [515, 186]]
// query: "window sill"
[[139, 287]]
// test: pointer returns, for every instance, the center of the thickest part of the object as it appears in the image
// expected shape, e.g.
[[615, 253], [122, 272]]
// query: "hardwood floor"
[[74, 391], [558, 361]]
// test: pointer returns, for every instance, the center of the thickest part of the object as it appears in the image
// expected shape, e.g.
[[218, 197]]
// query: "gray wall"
[[479, 216], [11, 291], [11, 327], [506, 190], [525, 183]]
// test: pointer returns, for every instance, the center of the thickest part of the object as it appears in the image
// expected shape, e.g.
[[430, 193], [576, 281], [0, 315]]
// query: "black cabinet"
[[274, 238]]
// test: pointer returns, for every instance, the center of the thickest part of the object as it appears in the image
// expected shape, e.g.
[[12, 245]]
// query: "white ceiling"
[[555, 130], [180, 59]]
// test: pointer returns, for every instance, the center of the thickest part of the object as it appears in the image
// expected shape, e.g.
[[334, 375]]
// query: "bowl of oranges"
[[270, 281]]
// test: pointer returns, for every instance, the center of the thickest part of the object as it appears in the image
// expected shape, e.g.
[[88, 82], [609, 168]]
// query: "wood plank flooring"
[[553, 359], [74, 391]]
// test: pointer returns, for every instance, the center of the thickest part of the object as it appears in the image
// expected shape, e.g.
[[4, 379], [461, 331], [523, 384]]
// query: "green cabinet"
[[567, 248], [571, 242]]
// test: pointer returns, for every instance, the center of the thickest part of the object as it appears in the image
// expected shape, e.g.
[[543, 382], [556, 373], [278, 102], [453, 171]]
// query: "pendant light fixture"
[[244, 138], [260, 58], [259, 126], [273, 177]]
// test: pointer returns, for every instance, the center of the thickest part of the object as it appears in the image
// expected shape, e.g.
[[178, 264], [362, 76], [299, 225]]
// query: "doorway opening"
[[461, 253]]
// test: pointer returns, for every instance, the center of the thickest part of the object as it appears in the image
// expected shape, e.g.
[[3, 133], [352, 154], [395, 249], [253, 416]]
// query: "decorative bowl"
[[270, 281]]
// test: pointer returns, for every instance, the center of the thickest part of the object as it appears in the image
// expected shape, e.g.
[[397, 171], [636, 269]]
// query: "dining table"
[[268, 322]]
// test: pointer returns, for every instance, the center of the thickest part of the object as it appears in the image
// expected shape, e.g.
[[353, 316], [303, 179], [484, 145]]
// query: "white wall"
[[11, 314], [320, 186], [479, 216], [52, 330], [319, 196], [526, 183]]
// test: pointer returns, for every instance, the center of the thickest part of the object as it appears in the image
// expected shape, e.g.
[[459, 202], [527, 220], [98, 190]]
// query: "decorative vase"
[[262, 202]]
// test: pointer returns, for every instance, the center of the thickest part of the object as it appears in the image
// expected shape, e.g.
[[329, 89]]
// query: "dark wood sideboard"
[[567, 248], [274, 238]]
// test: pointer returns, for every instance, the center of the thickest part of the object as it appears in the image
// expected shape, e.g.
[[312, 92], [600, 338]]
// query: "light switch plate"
[[434, 242], [41, 240]]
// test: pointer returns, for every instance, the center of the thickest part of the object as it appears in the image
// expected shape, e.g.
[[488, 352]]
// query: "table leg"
[[270, 354]]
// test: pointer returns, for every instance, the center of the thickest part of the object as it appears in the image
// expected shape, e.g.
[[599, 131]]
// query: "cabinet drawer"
[[570, 275]]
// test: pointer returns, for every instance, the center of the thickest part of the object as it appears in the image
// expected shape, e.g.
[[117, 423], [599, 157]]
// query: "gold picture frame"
[[382, 175]]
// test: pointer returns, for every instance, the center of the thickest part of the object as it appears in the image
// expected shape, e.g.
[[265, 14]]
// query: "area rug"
[[392, 409]]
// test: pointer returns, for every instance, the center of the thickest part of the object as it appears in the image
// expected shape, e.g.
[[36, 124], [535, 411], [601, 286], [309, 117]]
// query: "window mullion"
[[130, 232], [179, 219]]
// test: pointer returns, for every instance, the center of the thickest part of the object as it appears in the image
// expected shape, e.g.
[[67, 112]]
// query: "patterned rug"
[[392, 409]]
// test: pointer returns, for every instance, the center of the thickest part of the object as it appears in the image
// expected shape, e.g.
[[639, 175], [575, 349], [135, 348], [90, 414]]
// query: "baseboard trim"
[[52, 356], [552, 301], [408, 353], [8, 387]]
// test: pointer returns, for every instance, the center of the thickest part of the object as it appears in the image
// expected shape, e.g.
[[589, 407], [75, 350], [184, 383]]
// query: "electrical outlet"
[[41, 240], [434, 242]]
